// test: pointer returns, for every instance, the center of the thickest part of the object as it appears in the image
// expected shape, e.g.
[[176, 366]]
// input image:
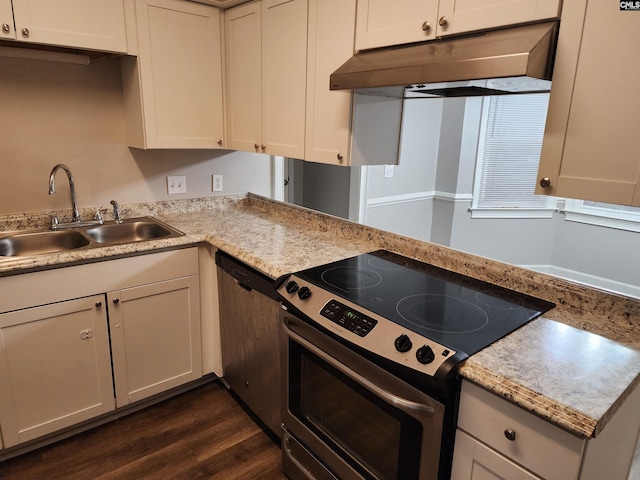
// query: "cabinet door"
[[91, 24], [473, 460], [381, 23], [243, 34], [590, 150], [173, 93], [331, 36], [7, 31], [284, 68], [155, 337], [55, 368], [458, 16]]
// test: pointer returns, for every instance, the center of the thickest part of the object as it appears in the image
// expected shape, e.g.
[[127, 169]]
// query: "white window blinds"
[[510, 141]]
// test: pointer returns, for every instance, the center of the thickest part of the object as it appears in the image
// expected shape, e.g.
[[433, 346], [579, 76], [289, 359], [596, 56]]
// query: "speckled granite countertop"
[[574, 367]]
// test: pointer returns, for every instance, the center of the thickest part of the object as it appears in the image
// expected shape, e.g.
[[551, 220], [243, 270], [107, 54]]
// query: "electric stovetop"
[[458, 312]]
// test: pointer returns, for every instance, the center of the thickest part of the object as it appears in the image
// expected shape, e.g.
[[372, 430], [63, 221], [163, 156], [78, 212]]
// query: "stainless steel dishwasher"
[[250, 331]]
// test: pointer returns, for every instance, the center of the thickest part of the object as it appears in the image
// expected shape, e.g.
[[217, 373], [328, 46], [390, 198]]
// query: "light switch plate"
[[176, 184], [388, 171]]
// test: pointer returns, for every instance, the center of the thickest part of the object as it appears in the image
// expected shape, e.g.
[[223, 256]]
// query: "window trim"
[[577, 211]]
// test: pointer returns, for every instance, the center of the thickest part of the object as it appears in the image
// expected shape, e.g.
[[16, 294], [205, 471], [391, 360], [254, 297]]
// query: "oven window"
[[378, 440]]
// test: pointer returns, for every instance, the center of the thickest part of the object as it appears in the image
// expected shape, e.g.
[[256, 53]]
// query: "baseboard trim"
[[594, 281]]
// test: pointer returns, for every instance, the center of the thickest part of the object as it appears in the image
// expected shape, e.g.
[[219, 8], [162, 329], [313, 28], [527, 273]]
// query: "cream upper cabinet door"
[[331, 37], [173, 89], [459, 16], [55, 368], [243, 35], [590, 150], [381, 22], [90, 24], [284, 71], [155, 337], [7, 31]]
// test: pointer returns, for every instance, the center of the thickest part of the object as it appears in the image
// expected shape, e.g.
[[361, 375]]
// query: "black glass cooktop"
[[457, 311]]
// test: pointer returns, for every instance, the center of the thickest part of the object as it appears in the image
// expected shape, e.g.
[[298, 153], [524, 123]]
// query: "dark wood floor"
[[201, 434]]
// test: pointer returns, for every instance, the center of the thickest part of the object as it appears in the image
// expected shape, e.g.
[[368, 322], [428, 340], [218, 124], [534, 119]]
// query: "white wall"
[[403, 203], [72, 114]]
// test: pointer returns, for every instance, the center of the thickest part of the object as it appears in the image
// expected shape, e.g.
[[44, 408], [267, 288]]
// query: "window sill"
[[511, 212]]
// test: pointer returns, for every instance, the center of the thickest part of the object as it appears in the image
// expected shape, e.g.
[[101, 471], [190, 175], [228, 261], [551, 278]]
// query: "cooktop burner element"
[[350, 278], [428, 311], [379, 299]]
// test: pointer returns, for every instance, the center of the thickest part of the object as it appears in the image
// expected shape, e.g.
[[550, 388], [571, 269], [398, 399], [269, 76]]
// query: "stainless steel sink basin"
[[131, 230], [36, 243]]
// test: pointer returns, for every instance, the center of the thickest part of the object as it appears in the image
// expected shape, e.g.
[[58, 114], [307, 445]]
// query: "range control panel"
[[366, 329], [349, 318]]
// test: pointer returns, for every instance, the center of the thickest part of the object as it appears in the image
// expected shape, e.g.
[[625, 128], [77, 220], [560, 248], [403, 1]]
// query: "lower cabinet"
[[155, 338], [62, 356], [497, 440], [55, 368], [476, 461]]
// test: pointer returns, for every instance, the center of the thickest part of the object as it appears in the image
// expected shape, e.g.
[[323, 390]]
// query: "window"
[[509, 144], [609, 215]]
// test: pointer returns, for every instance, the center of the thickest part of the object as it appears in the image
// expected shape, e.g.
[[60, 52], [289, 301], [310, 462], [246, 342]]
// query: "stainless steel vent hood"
[[505, 61]]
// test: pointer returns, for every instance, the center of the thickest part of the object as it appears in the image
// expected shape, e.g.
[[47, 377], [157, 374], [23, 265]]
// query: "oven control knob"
[[291, 286], [403, 343], [425, 355], [304, 293]]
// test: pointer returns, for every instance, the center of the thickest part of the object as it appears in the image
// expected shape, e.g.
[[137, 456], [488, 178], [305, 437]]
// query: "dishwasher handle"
[[246, 276]]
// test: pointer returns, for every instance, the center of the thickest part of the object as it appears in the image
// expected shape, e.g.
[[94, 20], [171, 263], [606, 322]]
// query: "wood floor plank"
[[201, 434]]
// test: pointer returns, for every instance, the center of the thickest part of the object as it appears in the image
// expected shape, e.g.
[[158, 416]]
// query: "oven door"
[[350, 416]]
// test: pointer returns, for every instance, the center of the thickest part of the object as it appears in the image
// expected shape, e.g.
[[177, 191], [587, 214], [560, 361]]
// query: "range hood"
[[506, 61]]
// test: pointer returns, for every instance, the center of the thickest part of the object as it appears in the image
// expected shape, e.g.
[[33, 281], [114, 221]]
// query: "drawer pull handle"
[[510, 434]]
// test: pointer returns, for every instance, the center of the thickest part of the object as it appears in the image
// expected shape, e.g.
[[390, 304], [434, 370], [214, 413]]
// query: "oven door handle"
[[398, 402]]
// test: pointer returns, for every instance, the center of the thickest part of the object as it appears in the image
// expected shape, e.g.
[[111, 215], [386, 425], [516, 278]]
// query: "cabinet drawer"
[[539, 446]]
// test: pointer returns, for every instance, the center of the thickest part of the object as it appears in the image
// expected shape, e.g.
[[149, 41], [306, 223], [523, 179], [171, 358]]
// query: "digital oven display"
[[348, 318]]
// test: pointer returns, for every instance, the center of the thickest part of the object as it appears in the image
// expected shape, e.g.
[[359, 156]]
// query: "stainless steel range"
[[370, 359]]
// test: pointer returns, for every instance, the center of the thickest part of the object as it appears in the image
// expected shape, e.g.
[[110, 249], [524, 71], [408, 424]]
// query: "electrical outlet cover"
[[217, 183]]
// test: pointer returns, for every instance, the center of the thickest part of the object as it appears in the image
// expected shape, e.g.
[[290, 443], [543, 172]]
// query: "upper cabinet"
[[328, 113], [243, 34], [589, 150], [86, 24], [266, 48], [173, 88], [343, 128], [459, 16], [279, 56], [381, 23], [284, 51]]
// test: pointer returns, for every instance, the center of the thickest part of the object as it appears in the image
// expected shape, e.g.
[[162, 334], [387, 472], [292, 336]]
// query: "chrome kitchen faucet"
[[75, 218], [72, 187]]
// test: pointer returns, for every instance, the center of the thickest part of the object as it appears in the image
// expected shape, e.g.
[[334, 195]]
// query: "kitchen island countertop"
[[573, 367]]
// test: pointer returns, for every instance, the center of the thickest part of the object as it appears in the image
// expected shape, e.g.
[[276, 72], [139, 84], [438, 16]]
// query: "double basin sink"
[[132, 230]]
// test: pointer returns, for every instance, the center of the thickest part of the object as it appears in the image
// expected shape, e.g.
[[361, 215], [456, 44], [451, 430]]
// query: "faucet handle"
[[98, 215], [53, 225], [116, 212]]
